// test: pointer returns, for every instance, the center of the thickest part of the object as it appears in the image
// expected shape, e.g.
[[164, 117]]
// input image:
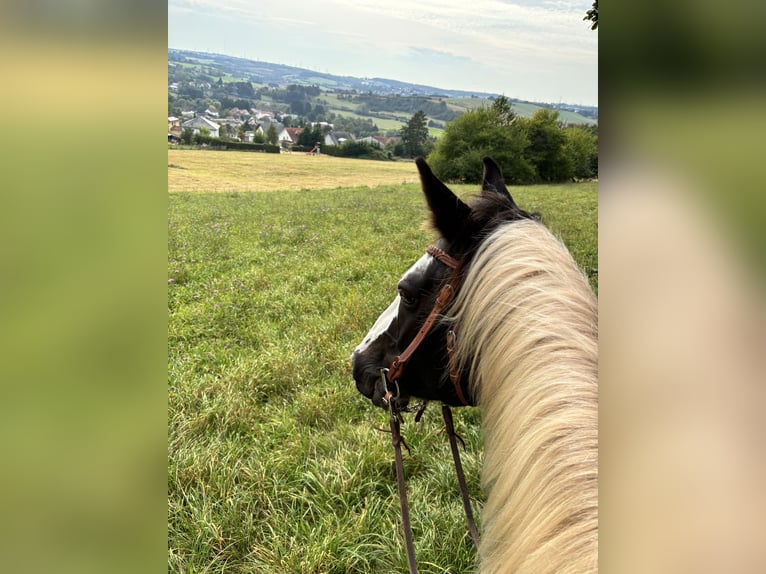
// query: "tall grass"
[[275, 464]]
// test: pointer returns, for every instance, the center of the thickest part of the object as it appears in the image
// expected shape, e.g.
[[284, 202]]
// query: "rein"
[[393, 373], [397, 441]]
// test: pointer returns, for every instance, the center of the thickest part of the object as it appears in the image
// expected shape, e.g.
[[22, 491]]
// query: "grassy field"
[[275, 465], [202, 170]]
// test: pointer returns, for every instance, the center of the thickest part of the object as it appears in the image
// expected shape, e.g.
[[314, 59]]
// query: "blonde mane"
[[528, 333]]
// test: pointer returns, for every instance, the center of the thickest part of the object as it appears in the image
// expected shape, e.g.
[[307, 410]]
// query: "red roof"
[[294, 132]]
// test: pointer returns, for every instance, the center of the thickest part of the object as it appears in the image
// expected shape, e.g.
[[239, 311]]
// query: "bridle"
[[444, 298], [391, 375]]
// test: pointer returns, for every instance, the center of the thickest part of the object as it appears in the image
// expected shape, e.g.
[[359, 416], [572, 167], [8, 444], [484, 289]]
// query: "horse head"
[[415, 324]]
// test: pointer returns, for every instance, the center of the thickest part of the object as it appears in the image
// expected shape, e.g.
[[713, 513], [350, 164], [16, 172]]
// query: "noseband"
[[445, 296]]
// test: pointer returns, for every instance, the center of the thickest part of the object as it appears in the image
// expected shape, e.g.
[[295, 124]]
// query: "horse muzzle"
[[371, 383]]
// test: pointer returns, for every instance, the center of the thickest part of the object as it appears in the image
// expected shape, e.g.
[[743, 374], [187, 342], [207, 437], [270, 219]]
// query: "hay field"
[[202, 170]]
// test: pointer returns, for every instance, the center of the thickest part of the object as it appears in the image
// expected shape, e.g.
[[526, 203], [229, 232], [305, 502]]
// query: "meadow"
[[216, 171], [274, 461]]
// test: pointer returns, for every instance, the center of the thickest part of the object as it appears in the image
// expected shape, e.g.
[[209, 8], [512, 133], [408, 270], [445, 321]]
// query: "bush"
[[232, 145], [582, 148], [361, 150], [529, 150], [484, 131]]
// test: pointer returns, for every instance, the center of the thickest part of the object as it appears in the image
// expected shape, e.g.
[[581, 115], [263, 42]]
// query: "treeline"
[[359, 150], [371, 103], [529, 150], [217, 143]]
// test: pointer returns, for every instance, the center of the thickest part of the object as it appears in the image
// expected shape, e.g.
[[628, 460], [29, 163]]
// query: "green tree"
[[592, 15], [546, 146], [271, 135], [502, 108], [415, 135], [581, 147], [201, 136], [187, 136], [309, 137], [486, 130], [245, 89]]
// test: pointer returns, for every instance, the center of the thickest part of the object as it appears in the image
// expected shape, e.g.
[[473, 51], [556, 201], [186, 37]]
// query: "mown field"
[[274, 462], [215, 171]]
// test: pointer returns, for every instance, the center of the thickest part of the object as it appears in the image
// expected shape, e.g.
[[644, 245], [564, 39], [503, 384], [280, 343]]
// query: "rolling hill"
[[388, 103]]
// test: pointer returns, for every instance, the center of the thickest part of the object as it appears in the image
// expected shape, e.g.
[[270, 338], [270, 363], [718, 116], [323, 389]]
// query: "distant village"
[[254, 125]]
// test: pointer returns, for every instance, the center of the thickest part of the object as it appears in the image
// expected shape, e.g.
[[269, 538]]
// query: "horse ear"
[[449, 212], [492, 179]]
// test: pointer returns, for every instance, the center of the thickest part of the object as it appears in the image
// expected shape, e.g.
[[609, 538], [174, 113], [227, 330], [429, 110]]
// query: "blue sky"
[[539, 51]]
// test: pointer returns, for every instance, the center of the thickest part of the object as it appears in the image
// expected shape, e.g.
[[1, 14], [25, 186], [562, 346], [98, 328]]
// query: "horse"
[[518, 339]]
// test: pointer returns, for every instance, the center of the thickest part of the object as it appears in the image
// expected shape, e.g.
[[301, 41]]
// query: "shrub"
[[362, 150], [233, 145]]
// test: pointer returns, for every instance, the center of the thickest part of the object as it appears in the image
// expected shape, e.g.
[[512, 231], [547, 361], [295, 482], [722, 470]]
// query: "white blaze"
[[384, 322], [389, 315]]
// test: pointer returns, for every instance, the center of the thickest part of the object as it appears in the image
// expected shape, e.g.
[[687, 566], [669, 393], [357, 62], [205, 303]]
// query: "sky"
[[539, 51]]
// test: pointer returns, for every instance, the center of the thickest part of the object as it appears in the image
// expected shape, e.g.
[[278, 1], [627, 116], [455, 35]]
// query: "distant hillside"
[[195, 76]]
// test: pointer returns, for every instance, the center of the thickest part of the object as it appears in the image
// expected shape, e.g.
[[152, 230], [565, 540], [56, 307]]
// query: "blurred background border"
[[84, 227]]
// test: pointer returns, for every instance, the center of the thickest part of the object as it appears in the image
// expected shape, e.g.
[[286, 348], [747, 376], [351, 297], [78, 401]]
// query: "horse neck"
[[528, 333]]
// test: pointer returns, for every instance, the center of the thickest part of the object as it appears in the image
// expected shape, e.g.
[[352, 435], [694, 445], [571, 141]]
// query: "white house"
[[283, 137], [337, 138], [202, 122]]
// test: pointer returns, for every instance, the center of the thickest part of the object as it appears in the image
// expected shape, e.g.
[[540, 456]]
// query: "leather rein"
[[393, 373]]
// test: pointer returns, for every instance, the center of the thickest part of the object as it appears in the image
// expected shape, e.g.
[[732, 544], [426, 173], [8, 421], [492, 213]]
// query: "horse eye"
[[407, 299]]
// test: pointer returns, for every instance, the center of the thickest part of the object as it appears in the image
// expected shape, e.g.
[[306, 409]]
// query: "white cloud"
[[524, 48]]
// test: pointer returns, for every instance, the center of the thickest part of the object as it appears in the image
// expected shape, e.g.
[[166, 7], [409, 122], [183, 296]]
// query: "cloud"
[[438, 55], [497, 46]]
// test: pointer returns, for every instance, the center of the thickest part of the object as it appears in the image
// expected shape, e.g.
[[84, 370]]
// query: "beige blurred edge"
[[682, 337]]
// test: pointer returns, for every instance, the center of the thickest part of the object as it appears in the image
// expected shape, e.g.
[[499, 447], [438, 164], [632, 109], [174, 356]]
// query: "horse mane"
[[528, 334]]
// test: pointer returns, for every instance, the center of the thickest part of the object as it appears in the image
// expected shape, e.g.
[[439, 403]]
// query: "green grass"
[[274, 462]]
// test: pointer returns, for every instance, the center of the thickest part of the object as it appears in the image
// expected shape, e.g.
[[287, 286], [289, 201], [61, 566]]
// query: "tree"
[[581, 146], [271, 135], [415, 135], [592, 15], [187, 136], [226, 132], [486, 130], [245, 89], [502, 108], [309, 137], [546, 146]]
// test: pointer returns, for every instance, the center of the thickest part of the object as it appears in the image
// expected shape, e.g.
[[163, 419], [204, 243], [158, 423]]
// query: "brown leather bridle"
[[392, 374], [444, 298]]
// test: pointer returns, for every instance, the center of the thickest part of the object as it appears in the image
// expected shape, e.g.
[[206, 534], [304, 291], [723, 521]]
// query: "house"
[[237, 113], [174, 126], [283, 136], [202, 122], [211, 112], [337, 138], [294, 133]]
